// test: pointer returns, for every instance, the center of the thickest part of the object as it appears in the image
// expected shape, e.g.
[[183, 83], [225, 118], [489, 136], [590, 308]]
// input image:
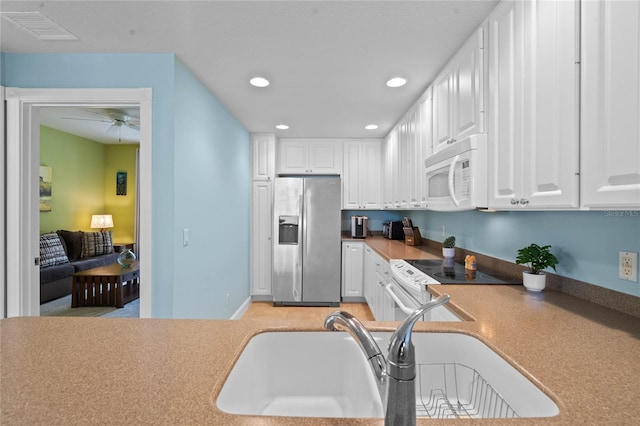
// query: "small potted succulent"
[[537, 259], [448, 247]]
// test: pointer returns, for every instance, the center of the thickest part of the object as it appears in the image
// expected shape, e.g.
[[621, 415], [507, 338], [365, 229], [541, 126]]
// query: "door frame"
[[22, 155]]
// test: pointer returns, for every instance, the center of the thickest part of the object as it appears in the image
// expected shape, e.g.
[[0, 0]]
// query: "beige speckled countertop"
[[79, 371]]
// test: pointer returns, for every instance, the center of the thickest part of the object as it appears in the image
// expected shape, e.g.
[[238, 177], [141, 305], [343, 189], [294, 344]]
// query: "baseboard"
[[241, 310]]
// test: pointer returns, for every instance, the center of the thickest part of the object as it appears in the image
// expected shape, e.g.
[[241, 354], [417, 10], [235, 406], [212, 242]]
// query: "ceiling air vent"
[[39, 25]]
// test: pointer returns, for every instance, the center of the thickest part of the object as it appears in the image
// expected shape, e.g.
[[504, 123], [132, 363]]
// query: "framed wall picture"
[[45, 188], [121, 183]]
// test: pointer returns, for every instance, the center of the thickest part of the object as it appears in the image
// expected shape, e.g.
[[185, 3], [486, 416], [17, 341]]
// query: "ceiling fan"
[[117, 118]]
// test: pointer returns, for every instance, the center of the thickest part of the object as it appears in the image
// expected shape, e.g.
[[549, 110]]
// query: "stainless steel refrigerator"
[[307, 242]]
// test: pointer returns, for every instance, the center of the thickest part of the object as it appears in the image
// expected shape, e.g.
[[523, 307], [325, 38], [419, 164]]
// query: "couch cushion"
[[96, 243], [51, 250], [57, 272], [93, 262], [73, 241]]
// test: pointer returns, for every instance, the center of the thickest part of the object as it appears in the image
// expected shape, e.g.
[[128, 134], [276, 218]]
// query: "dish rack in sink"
[[452, 390]]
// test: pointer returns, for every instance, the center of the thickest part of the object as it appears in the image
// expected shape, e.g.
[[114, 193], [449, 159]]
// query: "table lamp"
[[101, 221]]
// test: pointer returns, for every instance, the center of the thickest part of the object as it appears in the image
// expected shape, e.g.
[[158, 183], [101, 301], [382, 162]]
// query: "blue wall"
[[212, 199], [157, 71], [586, 242]]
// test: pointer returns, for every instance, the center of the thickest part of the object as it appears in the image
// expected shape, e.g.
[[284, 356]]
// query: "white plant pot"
[[448, 252], [534, 282]]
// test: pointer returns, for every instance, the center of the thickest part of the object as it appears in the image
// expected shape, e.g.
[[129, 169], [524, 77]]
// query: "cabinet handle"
[[451, 141], [514, 202], [524, 201]]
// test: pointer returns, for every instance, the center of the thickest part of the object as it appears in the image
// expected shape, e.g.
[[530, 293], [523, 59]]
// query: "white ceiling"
[[327, 60]]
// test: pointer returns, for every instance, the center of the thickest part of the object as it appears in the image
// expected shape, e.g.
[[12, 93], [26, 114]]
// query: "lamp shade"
[[101, 221]]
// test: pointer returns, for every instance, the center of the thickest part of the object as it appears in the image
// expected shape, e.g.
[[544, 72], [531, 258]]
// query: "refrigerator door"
[[287, 247], [321, 240]]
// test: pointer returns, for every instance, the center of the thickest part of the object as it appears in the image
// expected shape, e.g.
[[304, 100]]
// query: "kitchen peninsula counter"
[[81, 371]]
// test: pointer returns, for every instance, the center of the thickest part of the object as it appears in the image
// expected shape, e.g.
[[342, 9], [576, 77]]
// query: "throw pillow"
[[73, 241], [96, 243], [51, 250]]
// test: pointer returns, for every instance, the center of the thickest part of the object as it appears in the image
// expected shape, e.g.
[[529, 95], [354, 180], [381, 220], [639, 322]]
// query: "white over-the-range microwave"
[[456, 176]]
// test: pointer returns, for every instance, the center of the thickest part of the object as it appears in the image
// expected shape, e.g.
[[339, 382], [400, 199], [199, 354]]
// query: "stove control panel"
[[409, 275]]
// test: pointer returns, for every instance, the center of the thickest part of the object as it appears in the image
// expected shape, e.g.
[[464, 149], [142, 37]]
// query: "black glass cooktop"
[[449, 272]]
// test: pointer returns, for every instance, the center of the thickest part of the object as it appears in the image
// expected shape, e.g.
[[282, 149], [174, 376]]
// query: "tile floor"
[[259, 310]]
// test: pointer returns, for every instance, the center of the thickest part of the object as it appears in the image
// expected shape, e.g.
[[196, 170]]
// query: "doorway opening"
[[25, 108]]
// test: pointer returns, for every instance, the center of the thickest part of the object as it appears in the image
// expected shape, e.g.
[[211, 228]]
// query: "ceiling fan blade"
[[133, 126], [86, 119]]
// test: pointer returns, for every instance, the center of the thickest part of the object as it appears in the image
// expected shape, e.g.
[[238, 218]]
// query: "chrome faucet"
[[395, 375]]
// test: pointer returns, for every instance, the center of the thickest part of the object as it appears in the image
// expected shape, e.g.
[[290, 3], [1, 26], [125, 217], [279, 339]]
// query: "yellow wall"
[[83, 175], [121, 157]]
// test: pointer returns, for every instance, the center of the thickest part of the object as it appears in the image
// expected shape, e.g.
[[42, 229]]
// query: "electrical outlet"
[[628, 266]]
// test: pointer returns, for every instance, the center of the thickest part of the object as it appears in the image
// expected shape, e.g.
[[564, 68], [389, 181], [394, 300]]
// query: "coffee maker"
[[359, 226]]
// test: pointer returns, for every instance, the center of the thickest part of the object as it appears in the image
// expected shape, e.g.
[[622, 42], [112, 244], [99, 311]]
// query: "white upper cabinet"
[[404, 150], [458, 94], [361, 178], [309, 156], [533, 105], [390, 184], [610, 103], [263, 156]]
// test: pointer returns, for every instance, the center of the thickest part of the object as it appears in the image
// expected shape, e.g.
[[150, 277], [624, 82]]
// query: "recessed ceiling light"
[[396, 82], [259, 82], [282, 127], [371, 126]]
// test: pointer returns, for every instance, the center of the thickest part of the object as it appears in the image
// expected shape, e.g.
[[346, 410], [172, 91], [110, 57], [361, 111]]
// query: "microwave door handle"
[[402, 306], [452, 190]]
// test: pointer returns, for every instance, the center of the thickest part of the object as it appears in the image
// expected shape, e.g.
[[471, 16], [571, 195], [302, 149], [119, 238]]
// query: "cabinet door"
[[261, 242], [352, 269], [610, 104], [443, 99], [391, 171], [263, 156], [505, 39], [370, 282], [469, 88], [351, 175], [370, 167], [293, 157], [551, 80], [425, 140], [402, 188], [325, 157]]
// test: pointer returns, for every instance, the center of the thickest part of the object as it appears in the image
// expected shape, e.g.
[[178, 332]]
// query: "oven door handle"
[[389, 289], [452, 189]]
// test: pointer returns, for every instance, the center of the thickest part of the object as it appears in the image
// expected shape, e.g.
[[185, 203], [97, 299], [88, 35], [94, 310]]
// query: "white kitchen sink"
[[307, 374], [325, 374]]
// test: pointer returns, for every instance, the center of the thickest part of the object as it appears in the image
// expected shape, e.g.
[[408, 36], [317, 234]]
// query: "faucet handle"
[[401, 352]]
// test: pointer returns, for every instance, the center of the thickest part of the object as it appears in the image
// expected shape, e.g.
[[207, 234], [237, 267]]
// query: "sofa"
[[63, 253]]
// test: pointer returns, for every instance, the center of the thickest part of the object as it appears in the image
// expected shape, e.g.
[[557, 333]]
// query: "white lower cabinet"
[[376, 272], [352, 269]]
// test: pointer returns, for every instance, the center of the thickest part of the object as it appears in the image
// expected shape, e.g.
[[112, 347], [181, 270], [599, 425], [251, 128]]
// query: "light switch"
[[185, 237]]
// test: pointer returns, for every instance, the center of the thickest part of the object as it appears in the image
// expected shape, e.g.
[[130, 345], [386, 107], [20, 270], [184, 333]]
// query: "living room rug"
[[62, 308]]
